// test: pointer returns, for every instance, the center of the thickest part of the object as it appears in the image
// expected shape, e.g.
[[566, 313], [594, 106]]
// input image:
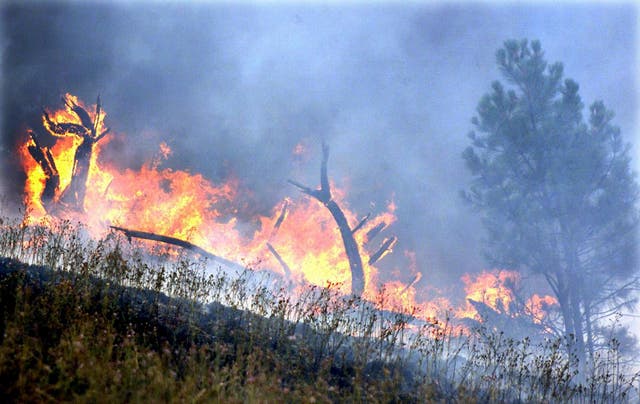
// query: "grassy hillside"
[[65, 337], [98, 321]]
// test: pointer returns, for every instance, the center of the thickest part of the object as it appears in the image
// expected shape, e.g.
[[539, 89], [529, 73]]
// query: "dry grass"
[[100, 321]]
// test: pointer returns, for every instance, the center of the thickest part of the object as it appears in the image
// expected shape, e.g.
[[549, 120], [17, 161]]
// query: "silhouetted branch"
[[415, 280], [385, 248], [351, 247], [283, 264], [283, 215], [361, 223], [375, 231]]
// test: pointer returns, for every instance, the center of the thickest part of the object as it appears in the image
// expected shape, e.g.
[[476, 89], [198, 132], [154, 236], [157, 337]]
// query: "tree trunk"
[[88, 132], [42, 155], [568, 320], [574, 294], [350, 246], [576, 312], [77, 189], [589, 325]]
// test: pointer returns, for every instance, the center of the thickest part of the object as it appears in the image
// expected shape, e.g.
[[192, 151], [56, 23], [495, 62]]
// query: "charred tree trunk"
[[350, 246], [80, 174], [75, 193], [42, 155], [283, 215], [89, 131], [274, 231]]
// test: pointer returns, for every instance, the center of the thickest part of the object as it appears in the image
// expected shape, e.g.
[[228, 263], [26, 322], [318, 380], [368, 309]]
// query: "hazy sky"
[[233, 88]]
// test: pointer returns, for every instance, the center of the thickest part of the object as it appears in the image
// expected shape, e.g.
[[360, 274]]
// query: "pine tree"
[[557, 192]]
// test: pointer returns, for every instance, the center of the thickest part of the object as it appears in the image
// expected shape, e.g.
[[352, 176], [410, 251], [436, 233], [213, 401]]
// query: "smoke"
[[3, 153], [234, 88]]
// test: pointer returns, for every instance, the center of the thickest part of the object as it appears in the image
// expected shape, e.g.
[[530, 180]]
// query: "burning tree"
[[323, 195], [558, 194], [186, 210], [69, 178], [86, 131], [497, 301]]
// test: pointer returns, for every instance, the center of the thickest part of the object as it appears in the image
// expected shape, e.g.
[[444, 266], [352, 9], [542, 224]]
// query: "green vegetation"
[[557, 193], [100, 321]]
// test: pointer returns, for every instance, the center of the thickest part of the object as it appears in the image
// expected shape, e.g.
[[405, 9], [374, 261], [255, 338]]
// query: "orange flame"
[[540, 306], [188, 206], [496, 289]]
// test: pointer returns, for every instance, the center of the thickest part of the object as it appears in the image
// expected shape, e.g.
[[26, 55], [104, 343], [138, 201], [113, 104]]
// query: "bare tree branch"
[[283, 264], [351, 247]]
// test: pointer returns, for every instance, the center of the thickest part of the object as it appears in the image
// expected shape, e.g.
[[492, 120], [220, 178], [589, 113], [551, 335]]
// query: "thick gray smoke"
[[234, 88]]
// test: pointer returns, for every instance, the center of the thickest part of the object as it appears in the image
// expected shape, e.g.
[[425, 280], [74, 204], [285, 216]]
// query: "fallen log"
[[144, 235], [323, 195]]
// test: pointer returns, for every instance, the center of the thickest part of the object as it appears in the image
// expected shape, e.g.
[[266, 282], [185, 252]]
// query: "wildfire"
[[299, 238], [539, 306], [497, 289], [186, 205]]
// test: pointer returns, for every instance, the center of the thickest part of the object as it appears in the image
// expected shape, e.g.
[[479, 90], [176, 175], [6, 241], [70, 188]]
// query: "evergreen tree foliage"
[[556, 189]]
